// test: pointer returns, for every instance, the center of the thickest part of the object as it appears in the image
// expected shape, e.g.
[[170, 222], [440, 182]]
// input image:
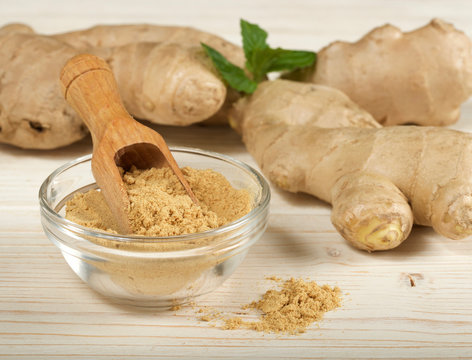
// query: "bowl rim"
[[83, 231]]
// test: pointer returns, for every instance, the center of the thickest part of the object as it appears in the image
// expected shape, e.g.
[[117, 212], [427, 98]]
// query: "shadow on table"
[[422, 240]]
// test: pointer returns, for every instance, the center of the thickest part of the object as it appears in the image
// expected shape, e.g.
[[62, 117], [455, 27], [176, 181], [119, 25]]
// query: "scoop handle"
[[89, 86]]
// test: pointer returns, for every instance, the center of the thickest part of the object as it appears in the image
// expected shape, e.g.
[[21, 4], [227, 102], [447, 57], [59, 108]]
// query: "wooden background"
[[46, 312]]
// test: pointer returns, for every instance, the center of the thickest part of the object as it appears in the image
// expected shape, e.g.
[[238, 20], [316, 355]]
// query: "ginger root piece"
[[164, 83], [311, 138], [109, 36], [33, 114], [118, 35], [419, 77], [370, 211], [167, 84]]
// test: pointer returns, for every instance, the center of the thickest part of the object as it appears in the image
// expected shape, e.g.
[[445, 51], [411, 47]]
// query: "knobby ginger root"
[[33, 113], [311, 138], [162, 82], [419, 77], [167, 84], [106, 36], [204, 95]]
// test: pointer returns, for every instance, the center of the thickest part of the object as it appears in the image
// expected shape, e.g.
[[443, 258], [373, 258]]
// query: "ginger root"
[[167, 84], [419, 77], [33, 114], [106, 36], [203, 94], [160, 81], [312, 138]]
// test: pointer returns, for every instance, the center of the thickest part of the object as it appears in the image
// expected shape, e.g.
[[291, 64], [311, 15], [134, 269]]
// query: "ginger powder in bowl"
[[160, 206], [178, 250]]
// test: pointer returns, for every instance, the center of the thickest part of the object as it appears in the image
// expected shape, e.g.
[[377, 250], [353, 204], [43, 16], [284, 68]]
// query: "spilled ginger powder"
[[290, 310], [159, 205]]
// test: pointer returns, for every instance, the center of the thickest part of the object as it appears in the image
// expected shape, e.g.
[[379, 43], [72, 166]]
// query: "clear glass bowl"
[[129, 269]]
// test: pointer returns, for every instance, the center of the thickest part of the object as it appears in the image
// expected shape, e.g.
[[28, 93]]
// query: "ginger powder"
[[159, 206]]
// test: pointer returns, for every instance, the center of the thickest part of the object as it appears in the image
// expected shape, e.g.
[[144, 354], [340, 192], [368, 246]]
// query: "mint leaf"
[[254, 38], [232, 74], [291, 59], [263, 60], [269, 60]]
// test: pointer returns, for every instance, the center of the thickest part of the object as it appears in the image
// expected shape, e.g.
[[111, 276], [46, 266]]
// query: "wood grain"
[[46, 312]]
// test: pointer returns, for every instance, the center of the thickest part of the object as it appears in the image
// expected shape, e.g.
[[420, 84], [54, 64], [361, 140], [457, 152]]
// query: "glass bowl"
[[128, 269]]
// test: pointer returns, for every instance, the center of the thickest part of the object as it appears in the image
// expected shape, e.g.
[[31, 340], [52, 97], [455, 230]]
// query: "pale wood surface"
[[47, 312]]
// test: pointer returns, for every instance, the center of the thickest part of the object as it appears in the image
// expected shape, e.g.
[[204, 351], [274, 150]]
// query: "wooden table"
[[412, 302]]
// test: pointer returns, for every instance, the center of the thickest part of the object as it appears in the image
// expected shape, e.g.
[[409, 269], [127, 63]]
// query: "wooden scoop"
[[89, 86]]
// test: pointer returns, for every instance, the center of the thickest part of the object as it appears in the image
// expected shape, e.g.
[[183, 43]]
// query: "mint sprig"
[[261, 59]]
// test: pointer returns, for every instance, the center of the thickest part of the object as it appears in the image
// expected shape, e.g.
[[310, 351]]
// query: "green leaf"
[[270, 60], [262, 60], [291, 59], [232, 74], [254, 38]]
